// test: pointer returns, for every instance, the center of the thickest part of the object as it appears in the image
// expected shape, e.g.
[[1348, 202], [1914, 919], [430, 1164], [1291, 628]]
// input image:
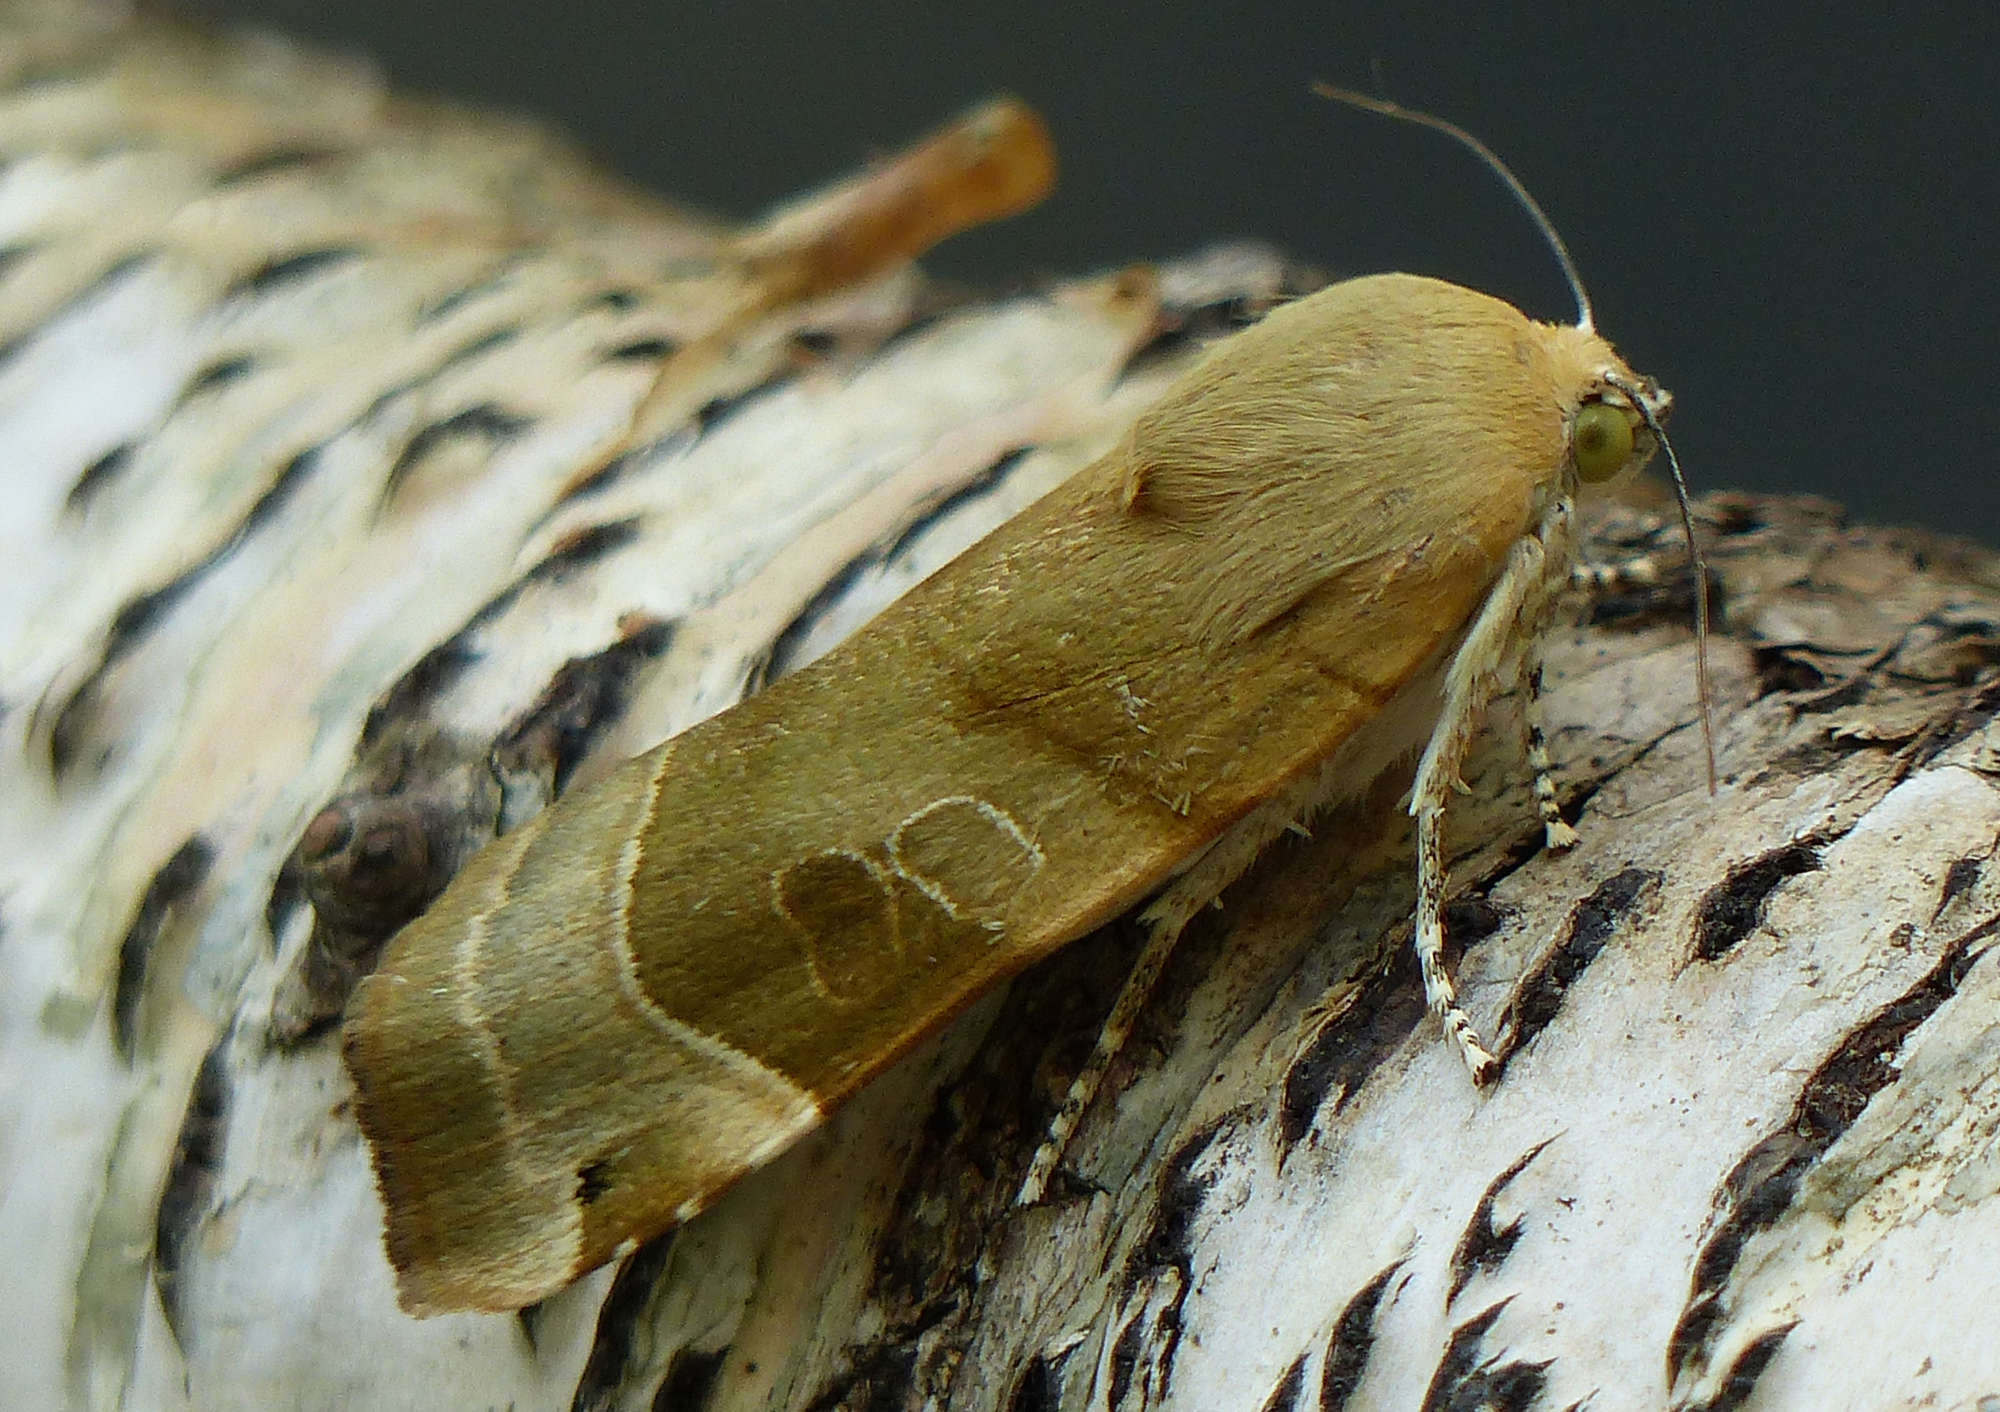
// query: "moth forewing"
[[621, 1008]]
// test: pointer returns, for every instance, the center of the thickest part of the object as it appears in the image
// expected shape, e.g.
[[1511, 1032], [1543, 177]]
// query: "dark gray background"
[[1783, 211]]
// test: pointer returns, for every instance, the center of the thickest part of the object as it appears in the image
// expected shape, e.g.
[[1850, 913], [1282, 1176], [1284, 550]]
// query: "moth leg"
[[1556, 830], [1165, 919], [1439, 992], [1636, 571], [1161, 938], [1499, 638], [1492, 652]]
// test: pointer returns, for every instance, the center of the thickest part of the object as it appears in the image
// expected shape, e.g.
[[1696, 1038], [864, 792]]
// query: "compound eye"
[[1600, 441]]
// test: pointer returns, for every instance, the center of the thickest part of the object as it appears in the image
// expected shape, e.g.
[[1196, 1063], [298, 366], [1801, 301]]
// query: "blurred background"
[[1783, 212]]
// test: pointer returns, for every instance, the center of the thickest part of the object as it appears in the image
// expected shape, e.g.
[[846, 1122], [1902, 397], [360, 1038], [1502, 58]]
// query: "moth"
[[1317, 556]]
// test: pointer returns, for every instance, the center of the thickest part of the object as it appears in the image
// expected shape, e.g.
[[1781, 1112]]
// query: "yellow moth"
[[1317, 556]]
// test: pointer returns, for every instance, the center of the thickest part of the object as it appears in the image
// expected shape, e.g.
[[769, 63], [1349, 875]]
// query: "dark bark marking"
[[172, 881], [270, 162], [1461, 1381], [1731, 515], [485, 343], [1037, 1389], [977, 486], [108, 276], [1782, 671], [390, 395], [96, 476], [596, 480], [915, 328], [1941, 735], [1846, 692], [290, 269], [288, 892], [690, 1381], [190, 1184], [718, 410], [1351, 1342], [1483, 1247], [451, 303], [1136, 1337], [142, 613], [1748, 1367], [139, 615], [1165, 1245], [585, 695], [1515, 1386], [1470, 918], [1125, 1350], [1182, 324], [617, 301], [1285, 1396], [1194, 324], [290, 476], [786, 647], [882, 1379], [1538, 995], [581, 548], [1734, 907], [216, 375], [412, 693], [1959, 879], [1760, 1190], [483, 420], [642, 350], [788, 644], [618, 1319], [592, 1181], [1341, 1056]]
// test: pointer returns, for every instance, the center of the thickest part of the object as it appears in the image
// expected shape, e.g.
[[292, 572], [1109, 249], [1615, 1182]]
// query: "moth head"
[[1619, 426], [1616, 427], [1616, 423]]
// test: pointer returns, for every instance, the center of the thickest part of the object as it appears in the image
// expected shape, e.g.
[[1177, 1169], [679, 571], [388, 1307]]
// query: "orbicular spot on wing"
[[842, 907], [966, 855]]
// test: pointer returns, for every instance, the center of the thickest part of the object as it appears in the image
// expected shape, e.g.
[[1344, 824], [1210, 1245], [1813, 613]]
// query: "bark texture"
[[373, 455]]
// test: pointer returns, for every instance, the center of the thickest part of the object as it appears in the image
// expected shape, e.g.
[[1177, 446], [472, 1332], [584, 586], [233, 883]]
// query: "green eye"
[[1601, 441]]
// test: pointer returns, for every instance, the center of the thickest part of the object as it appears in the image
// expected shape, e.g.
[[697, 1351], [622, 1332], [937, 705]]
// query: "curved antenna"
[[1694, 559], [1369, 104]]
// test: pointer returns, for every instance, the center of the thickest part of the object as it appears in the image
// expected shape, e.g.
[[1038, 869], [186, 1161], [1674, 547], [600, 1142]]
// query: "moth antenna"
[[1694, 558], [1353, 98]]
